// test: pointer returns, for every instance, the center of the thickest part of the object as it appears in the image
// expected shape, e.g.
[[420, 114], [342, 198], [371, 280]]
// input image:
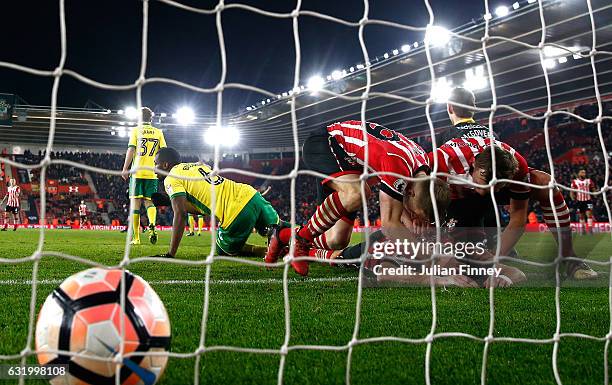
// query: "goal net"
[[488, 78]]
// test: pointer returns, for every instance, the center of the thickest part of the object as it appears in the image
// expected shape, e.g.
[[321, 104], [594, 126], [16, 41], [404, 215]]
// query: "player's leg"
[[338, 237], [13, 216], [589, 216], [149, 187], [16, 220], [5, 219], [256, 214], [581, 218], [200, 224], [136, 221], [561, 231], [191, 222], [136, 192], [319, 156]]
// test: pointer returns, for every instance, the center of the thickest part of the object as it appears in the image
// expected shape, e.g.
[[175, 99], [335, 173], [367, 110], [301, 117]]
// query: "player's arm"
[[391, 211], [129, 155], [572, 193], [178, 223], [516, 226]]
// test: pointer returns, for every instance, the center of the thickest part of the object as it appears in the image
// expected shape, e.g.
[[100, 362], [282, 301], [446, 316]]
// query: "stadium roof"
[[517, 70]]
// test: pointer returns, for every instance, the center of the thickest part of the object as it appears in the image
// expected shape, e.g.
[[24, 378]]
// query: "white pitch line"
[[274, 281]]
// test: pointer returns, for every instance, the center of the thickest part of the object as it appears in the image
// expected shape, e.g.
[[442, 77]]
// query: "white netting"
[[286, 347]]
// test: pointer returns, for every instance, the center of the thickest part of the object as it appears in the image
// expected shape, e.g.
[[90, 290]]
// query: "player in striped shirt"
[[340, 153], [82, 214], [470, 160], [12, 199], [582, 199]]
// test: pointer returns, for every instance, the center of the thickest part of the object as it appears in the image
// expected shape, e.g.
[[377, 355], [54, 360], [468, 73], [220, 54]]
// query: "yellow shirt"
[[230, 196], [147, 140]]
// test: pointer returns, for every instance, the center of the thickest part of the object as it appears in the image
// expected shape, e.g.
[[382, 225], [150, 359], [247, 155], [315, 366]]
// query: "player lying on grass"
[[238, 207], [471, 159], [340, 153]]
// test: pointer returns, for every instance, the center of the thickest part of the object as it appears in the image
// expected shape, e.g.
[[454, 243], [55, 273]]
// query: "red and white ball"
[[83, 315]]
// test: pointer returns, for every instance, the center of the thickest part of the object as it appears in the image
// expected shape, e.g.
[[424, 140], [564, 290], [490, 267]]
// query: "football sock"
[[136, 225], [152, 215], [191, 223], [320, 242], [590, 223], [321, 254], [200, 224], [326, 216]]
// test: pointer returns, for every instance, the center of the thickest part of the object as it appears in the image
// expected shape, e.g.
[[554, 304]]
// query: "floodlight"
[[437, 36], [222, 136], [315, 83], [184, 115], [395, 52], [405, 48], [336, 75], [441, 90], [131, 113], [502, 11], [549, 63]]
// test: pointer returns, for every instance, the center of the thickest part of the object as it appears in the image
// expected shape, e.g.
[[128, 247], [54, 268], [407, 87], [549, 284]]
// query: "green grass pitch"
[[246, 310]]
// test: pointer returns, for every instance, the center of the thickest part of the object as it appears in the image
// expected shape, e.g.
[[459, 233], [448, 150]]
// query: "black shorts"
[[322, 153], [584, 206], [12, 209]]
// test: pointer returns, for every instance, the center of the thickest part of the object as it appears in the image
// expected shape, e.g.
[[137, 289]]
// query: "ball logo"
[[400, 185]]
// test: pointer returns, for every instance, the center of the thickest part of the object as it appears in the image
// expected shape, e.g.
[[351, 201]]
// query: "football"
[[83, 316]]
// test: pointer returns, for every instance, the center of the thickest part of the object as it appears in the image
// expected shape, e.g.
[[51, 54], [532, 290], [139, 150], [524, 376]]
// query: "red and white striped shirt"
[[388, 151], [83, 210], [456, 157], [13, 194], [585, 186]]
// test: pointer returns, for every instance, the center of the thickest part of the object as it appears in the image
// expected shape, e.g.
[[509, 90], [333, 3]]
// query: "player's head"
[[147, 114], [462, 96], [582, 173], [506, 166], [167, 158], [418, 203], [82, 202], [12, 182]]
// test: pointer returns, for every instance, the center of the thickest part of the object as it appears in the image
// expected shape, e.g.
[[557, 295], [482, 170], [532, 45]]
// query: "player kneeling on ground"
[[340, 153], [238, 207], [472, 158]]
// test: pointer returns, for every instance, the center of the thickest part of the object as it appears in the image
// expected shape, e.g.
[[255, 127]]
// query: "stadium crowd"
[[108, 201]]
